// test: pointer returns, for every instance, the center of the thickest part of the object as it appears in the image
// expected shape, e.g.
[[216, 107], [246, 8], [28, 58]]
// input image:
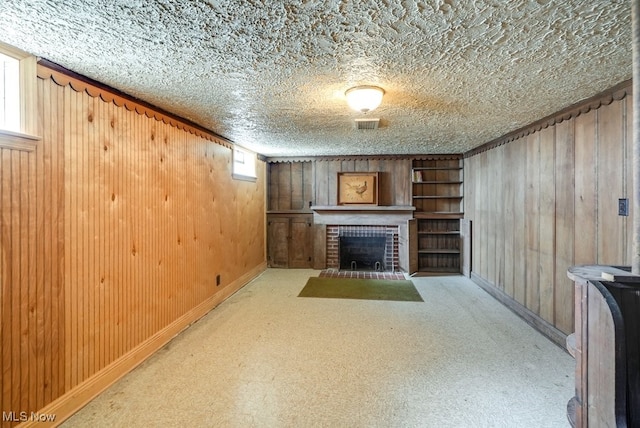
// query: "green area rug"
[[368, 289]]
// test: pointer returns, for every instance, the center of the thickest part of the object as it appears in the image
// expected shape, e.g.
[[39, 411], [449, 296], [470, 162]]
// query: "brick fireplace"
[[390, 222], [389, 233]]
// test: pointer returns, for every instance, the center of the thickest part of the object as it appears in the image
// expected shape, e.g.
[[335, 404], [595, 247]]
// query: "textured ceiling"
[[271, 75]]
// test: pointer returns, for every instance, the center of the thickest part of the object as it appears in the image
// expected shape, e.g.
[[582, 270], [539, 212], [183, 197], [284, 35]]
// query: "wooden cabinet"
[[290, 240], [437, 194], [606, 346]]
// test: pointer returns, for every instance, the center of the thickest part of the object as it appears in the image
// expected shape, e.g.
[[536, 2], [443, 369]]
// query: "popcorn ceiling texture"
[[271, 75]]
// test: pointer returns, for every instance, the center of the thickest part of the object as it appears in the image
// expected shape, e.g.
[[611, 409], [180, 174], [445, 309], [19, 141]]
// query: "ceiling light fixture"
[[364, 98]]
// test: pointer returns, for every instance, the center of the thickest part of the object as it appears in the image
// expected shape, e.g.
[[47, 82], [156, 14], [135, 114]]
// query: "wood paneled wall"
[[293, 185], [394, 179], [290, 186], [112, 230], [549, 200]]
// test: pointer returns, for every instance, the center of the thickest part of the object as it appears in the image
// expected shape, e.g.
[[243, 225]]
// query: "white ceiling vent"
[[367, 123]]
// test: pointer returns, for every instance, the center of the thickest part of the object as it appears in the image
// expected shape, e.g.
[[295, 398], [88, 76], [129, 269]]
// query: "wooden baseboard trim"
[[68, 404], [531, 318]]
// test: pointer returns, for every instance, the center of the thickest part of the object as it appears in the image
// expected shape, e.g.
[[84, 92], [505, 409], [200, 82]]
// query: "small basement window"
[[18, 102], [244, 164]]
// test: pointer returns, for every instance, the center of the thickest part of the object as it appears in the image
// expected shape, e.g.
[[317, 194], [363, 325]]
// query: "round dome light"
[[364, 98]]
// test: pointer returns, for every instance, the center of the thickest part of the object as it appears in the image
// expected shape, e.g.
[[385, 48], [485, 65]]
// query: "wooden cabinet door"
[[290, 242], [300, 243], [278, 242]]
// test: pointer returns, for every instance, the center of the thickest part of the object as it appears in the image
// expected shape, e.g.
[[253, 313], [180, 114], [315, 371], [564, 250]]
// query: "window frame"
[[238, 176], [26, 139]]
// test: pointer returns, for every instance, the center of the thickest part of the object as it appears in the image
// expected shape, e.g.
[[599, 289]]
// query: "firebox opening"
[[362, 253]]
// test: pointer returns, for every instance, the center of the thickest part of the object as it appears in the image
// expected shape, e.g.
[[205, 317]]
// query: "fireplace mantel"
[[366, 208], [362, 214]]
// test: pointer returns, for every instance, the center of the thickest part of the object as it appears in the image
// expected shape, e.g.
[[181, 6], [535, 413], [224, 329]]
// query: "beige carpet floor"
[[266, 358]]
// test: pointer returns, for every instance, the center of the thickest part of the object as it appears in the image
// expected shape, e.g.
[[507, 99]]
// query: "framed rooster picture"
[[357, 188]]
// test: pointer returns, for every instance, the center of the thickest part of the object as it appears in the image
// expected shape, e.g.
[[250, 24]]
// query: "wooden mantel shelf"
[[362, 214], [383, 209]]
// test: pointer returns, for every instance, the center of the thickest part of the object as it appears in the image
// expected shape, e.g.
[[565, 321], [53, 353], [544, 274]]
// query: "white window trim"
[[18, 141], [27, 138]]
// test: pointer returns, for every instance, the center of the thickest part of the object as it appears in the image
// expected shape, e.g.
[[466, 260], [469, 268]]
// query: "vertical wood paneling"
[[321, 176], [7, 278], [394, 181], [509, 177], [362, 165], [70, 315], [44, 271], [18, 287], [402, 187], [307, 185], [93, 327], [54, 112], [586, 198], [399, 177], [272, 177], [564, 225], [483, 216], [112, 229], [492, 219], [34, 291], [499, 219], [297, 186], [86, 223], [291, 184], [334, 167], [532, 223], [469, 194], [385, 183], [98, 249], [519, 158], [374, 165], [22, 169], [109, 200], [284, 186], [610, 154], [547, 231], [473, 168], [348, 165], [553, 205]]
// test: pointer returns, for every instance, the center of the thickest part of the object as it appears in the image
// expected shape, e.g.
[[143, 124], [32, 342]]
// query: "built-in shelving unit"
[[437, 194]]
